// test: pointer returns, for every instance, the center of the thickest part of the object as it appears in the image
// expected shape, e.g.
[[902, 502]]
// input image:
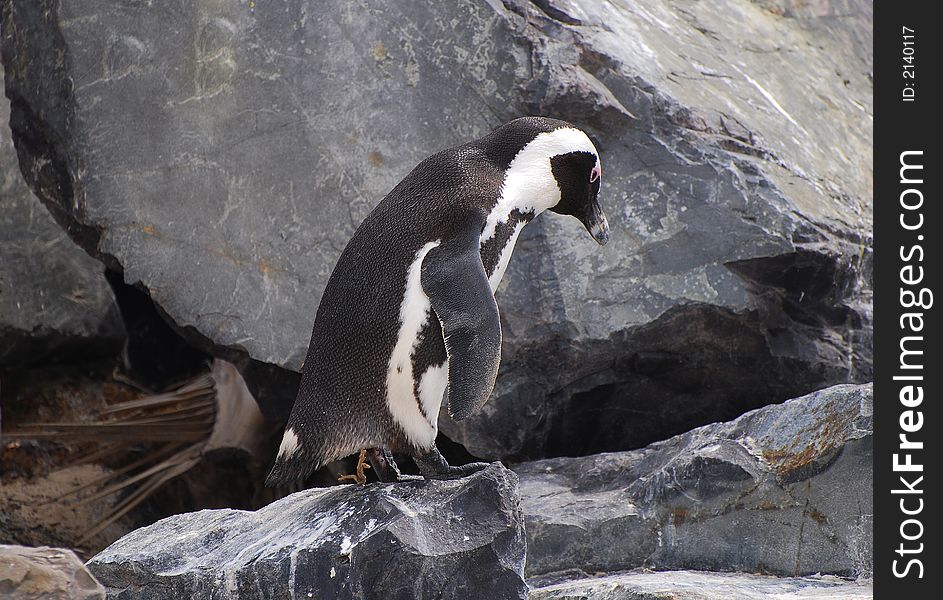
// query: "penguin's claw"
[[433, 465], [459, 472], [359, 478]]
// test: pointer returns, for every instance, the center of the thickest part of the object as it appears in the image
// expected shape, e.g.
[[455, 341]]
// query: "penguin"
[[408, 319]]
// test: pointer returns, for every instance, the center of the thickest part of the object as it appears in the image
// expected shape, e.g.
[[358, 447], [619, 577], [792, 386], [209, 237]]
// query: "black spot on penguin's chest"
[[492, 249]]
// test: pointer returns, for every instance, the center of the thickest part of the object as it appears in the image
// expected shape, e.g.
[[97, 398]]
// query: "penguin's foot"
[[460, 471], [433, 465], [359, 478], [385, 467]]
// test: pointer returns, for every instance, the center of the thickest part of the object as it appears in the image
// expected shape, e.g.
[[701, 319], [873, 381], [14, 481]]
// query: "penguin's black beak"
[[596, 224]]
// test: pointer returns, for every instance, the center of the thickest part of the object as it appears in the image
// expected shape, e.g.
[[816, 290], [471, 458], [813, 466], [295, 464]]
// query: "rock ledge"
[[423, 539]]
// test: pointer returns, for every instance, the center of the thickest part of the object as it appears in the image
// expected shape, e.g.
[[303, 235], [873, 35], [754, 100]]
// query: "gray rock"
[[54, 301], [785, 490], [693, 585], [45, 574], [429, 539], [223, 155], [848, 21]]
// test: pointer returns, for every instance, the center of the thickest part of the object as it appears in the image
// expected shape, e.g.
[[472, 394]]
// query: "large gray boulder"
[[786, 490], [45, 573], [416, 540], [55, 303], [222, 155], [693, 585]]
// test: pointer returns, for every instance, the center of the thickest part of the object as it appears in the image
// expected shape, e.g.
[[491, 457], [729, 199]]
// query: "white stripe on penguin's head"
[[529, 184]]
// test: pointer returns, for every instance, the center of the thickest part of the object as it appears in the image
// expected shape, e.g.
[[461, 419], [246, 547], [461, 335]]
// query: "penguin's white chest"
[[401, 389]]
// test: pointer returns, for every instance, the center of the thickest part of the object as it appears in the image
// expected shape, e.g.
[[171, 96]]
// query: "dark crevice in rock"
[[547, 7], [154, 356], [159, 354], [819, 292], [695, 365], [515, 7], [699, 364], [273, 387], [453, 451], [161, 347], [812, 285]]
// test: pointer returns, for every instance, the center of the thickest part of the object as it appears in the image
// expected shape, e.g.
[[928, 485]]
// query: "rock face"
[[785, 490], [431, 539], [54, 300], [739, 195], [848, 21], [45, 574], [692, 585]]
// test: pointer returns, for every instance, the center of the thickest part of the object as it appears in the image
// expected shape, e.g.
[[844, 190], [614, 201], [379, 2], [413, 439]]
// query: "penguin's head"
[[551, 164], [578, 175]]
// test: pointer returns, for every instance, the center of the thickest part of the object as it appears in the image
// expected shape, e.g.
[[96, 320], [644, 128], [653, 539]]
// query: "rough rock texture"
[[849, 21], [786, 490], [739, 198], [431, 539], [45, 574], [693, 585], [54, 300]]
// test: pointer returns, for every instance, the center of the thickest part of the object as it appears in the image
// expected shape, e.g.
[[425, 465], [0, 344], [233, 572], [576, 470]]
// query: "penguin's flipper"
[[454, 279]]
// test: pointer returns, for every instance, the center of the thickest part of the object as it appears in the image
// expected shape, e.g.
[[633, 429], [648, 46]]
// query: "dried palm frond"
[[211, 411]]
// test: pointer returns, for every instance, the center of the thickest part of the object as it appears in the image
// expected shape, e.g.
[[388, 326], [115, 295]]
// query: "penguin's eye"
[[596, 174]]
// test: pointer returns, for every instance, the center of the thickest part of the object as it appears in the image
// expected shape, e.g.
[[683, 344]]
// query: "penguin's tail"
[[294, 462], [285, 473]]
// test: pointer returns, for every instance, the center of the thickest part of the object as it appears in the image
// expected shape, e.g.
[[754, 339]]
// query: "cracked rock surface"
[[422, 539], [783, 490], [45, 573], [736, 146], [54, 299], [693, 585]]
